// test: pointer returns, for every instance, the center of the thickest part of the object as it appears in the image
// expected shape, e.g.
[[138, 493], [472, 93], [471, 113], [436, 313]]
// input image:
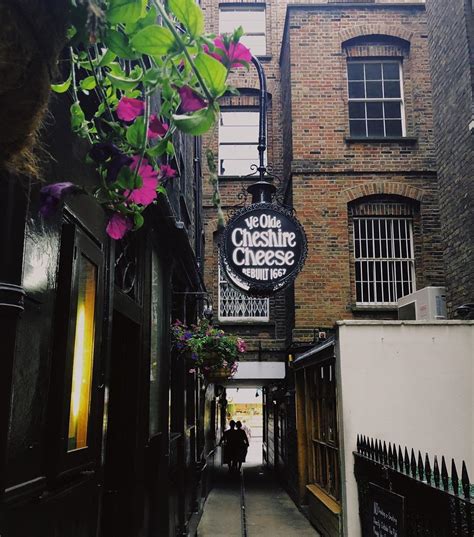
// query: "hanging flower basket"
[[211, 352]]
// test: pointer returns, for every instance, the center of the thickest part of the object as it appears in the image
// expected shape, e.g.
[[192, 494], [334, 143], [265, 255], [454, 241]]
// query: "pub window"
[[384, 259], [77, 348], [236, 306], [156, 343], [376, 107], [324, 449], [252, 20], [238, 140]]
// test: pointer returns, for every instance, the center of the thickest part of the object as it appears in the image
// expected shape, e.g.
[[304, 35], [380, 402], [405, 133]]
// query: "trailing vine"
[[122, 61]]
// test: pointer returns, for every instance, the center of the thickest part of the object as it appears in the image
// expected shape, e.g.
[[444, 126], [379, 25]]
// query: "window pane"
[[251, 20], [356, 90], [374, 89], [375, 128], [356, 110], [244, 117], [355, 71], [156, 344], [256, 43], [374, 110], [393, 128], [392, 110], [357, 128], [391, 71], [83, 355], [373, 71], [391, 89]]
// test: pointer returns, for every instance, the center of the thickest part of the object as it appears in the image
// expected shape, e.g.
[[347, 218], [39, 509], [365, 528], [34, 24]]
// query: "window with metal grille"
[[238, 140], [235, 306], [252, 20], [375, 99], [384, 259]]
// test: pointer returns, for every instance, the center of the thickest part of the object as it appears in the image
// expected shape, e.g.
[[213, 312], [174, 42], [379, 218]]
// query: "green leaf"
[[118, 44], [62, 88], [78, 117], [190, 14], [213, 73], [158, 150], [126, 178], [108, 57], [88, 83], [126, 83], [147, 20], [125, 11], [136, 133], [197, 123], [153, 40], [152, 77], [138, 220]]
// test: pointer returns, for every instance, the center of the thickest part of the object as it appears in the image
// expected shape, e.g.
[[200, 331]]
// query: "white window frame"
[[242, 298], [253, 143], [390, 261], [248, 8], [400, 99]]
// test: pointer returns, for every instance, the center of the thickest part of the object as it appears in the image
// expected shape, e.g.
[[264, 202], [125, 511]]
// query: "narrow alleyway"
[[253, 505]]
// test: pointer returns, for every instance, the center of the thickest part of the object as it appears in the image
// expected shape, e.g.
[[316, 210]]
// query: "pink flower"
[[167, 172], [129, 109], [233, 53], [190, 101], [156, 127], [241, 346], [147, 192], [118, 225], [192, 371]]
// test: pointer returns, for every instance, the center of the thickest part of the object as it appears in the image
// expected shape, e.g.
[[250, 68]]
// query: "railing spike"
[[377, 450], [384, 453], [400, 458], [436, 471], [420, 467], [454, 477], [427, 469], [407, 462], [444, 474], [372, 450], [466, 486], [390, 455], [413, 463], [394, 457], [358, 444]]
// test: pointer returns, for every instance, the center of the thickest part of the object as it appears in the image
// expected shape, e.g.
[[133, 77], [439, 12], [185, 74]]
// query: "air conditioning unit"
[[427, 304]]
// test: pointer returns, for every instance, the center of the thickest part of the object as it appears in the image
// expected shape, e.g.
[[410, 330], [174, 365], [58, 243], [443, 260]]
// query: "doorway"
[[120, 511], [245, 405]]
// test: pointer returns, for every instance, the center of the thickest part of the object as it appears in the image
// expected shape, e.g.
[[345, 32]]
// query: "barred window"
[[375, 99], [384, 259], [236, 306], [252, 20]]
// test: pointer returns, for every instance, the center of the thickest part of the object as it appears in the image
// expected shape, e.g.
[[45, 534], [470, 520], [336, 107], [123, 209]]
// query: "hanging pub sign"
[[263, 249]]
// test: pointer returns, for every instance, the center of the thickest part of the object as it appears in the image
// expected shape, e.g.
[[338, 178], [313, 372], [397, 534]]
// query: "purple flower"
[[194, 356], [229, 53], [115, 164], [190, 101], [51, 196], [156, 127], [166, 171], [112, 156], [103, 151]]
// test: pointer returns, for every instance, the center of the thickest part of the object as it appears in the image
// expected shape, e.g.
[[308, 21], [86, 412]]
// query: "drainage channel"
[[243, 514]]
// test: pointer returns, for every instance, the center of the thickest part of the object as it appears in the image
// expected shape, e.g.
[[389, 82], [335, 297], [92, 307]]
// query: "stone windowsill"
[[370, 307], [406, 140]]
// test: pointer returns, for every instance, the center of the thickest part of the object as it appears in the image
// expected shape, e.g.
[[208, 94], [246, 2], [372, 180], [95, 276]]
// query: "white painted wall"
[[408, 382]]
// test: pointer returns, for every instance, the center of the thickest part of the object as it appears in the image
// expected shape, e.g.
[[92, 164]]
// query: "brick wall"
[[328, 171], [451, 29], [307, 127]]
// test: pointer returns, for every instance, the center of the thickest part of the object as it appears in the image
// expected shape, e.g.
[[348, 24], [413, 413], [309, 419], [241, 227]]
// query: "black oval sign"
[[263, 249]]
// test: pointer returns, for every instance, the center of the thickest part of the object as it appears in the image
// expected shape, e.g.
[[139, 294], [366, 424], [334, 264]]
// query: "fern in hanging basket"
[[212, 353]]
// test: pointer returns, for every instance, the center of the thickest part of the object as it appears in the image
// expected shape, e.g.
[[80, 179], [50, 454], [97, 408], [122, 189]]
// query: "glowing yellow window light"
[[83, 356]]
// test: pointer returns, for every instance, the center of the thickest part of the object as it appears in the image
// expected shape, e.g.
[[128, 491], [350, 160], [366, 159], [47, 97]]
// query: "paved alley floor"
[[254, 506]]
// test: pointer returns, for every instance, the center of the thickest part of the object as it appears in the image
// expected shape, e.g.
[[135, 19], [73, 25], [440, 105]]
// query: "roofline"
[[342, 5]]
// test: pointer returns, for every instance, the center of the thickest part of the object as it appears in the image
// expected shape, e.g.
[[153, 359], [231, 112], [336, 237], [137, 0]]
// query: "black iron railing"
[[408, 495]]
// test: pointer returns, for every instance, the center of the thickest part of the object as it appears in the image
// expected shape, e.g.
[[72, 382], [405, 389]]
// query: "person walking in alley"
[[229, 442], [242, 445]]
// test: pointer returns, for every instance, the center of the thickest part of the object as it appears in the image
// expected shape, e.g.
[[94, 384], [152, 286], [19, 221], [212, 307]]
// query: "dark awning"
[[316, 353]]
